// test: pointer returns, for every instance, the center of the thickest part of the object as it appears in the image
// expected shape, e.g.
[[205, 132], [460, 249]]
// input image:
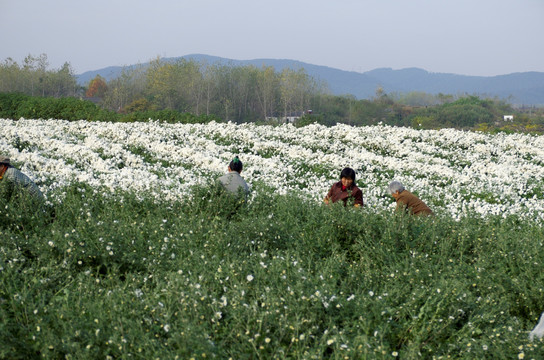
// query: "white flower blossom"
[[457, 173]]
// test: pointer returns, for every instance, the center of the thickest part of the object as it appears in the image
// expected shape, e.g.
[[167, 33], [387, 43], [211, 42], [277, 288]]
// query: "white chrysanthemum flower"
[[456, 172]]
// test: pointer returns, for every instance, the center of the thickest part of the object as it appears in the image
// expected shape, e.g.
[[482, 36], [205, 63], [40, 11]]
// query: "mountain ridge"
[[520, 88]]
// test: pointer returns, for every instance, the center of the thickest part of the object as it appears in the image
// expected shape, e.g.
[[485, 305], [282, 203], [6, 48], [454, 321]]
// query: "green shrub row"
[[17, 105], [126, 277]]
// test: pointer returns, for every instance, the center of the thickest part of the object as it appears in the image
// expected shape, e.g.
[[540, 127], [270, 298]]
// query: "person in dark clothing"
[[345, 190]]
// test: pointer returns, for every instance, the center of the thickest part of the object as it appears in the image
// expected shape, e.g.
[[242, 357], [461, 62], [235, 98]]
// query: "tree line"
[[33, 77], [252, 94], [238, 94]]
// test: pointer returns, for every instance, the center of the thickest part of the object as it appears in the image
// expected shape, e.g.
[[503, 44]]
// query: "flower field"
[[456, 172], [135, 256]]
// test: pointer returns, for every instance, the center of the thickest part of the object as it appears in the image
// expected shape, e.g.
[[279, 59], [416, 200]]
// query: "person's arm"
[[7, 185], [401, 205], [327, 198], [358, 198]]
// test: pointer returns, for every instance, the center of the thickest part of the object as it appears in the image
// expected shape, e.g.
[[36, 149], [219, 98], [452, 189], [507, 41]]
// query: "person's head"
[[236, 165], [347, 176], [395, 188]]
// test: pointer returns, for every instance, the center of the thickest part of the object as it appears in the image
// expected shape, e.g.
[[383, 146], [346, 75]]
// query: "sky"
[[466, 37]]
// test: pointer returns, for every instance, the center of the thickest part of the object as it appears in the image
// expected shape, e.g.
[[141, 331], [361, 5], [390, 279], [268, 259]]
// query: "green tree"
[[10, 76], [34, 72], [161, 84], [62, 82], [209, 86], [267, 90], [34, 78], [191, 84], [296, 88], [129, 86]]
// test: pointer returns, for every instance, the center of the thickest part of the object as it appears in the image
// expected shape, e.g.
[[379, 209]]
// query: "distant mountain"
[[518, 88]]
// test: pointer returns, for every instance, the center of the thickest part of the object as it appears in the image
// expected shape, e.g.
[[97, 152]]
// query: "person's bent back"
[[18, 181], [232, 181], [408, 201]]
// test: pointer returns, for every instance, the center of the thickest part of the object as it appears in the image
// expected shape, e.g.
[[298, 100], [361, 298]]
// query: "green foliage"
[[20, 145], [34, 78], [9, 104], [139, 105], [63, 108], [115, 275], [169, 116], [20, 210], [15, 106], [466, 112], [308, 119], [463, 116], [348, 110], [424, 122], [419, 98]]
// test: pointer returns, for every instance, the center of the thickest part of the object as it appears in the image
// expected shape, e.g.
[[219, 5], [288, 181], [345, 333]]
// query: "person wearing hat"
[[17, 180], [407, 201], [232, 181]]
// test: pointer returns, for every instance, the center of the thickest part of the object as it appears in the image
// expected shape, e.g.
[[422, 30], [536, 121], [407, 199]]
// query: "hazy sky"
[[469, 37]]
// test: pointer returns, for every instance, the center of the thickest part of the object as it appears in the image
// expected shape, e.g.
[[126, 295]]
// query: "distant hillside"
[[518, 88]]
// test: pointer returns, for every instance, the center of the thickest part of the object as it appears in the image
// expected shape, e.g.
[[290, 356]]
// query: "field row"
[[457, 173]]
